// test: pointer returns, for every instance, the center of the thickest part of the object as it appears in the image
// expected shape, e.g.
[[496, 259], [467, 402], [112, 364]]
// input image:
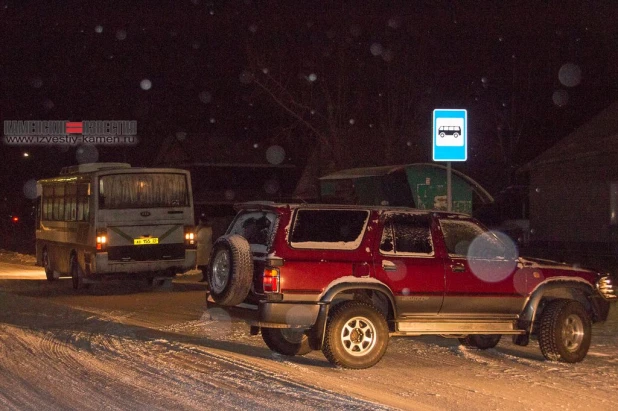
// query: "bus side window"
[[47, 201], [70, 210], [37, 215], [58, 210], [83, 207]]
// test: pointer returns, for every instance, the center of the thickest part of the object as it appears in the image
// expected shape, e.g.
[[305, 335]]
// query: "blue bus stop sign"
[[450, 135]]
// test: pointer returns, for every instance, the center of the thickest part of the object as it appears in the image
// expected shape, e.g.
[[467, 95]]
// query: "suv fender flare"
[[566, 285], [316, 337]]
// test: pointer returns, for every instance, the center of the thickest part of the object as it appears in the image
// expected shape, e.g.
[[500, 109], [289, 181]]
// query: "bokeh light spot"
[[86, 154], [570, 75], [271, 186], [205, 97], [492, 256], [376, 49], [275, 154], [145, 84], [246, 77], [560, 98], [30, 189], [121, 35]]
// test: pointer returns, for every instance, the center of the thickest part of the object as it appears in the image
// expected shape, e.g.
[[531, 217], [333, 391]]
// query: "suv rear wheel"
[[286, 341], [565, 331], [481, 341], [231, 270], [356, 335]]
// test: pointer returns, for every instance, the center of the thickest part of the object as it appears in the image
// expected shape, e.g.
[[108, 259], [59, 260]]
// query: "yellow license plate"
[[142, 241]]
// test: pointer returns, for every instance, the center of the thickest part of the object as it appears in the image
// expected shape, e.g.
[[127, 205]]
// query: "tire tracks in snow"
[[96, 364]]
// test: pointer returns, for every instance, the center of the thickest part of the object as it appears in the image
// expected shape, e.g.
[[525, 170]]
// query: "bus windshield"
[[139, 190]]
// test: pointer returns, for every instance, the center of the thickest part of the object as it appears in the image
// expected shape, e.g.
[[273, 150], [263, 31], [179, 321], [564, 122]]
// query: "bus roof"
[[81, 171], [91, 167]]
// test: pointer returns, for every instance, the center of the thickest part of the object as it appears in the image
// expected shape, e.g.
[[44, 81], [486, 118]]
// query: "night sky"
[[358, 78]]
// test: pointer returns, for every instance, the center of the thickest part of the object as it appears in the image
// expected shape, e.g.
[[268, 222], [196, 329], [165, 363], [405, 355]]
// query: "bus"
[[102, 220]]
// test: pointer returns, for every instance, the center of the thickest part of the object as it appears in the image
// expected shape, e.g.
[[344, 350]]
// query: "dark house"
[[420, 185], [225, 173], [574, 195]]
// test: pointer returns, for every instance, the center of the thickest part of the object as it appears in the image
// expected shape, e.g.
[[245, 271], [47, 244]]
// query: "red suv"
[[342, 279]]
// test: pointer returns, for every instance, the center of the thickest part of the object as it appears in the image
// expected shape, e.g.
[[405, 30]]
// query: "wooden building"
[[573, 195]]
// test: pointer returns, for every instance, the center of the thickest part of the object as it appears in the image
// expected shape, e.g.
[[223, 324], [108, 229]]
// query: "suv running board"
[[420, 327]]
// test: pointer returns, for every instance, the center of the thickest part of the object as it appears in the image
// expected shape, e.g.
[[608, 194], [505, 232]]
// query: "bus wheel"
[[78, 280], [49, 272]]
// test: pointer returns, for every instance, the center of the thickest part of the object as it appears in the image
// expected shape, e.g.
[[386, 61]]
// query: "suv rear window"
[[256, 227], [328, 229]]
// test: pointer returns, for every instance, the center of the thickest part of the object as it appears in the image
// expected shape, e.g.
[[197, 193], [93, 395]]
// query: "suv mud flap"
[[316, 335]]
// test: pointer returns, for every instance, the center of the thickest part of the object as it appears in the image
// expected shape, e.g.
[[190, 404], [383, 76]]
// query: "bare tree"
[[357, 108]]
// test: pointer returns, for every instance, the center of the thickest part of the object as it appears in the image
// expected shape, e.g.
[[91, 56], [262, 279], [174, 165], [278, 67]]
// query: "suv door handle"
[[388, 265], [458, 268]]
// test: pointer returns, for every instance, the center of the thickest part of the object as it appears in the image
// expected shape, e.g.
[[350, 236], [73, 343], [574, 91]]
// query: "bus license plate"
[[142, 241]]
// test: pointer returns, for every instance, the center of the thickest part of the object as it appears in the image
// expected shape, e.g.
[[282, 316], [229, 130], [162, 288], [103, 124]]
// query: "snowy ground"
[[118, 347]]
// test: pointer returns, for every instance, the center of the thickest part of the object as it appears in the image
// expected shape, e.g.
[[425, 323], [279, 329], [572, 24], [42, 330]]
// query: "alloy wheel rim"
[[358, 336], [220, 271], [573, 332]]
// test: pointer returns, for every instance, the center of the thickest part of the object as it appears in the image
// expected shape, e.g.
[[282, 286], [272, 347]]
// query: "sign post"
[[450, 142]]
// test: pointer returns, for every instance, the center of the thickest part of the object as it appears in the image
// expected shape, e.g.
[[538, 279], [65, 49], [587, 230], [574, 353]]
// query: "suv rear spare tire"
[[231, 270]]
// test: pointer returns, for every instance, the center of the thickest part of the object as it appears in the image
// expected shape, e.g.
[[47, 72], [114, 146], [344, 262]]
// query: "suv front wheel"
[[565, 331], [356, 335]]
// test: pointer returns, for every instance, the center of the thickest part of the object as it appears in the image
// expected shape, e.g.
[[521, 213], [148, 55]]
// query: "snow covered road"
[[119, 347]]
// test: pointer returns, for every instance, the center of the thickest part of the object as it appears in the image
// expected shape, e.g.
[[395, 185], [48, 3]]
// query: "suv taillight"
[[190, 237], [101, 239], [270, 280]]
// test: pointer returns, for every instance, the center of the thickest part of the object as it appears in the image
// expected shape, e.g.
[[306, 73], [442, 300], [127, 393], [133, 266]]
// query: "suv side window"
[[407, 234], [459, 235], [328, 229]]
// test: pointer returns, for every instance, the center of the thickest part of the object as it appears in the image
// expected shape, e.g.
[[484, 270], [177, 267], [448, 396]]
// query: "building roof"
[[597, 137], [353, 173]]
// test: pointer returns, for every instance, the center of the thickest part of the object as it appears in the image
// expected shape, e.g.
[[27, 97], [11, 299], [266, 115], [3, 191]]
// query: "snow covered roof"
[[265, 205], [352, 173]]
